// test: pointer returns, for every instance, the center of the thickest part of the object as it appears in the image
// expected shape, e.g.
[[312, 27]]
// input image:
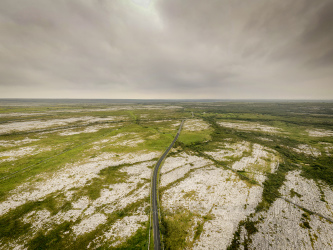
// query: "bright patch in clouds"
[[144, 3]]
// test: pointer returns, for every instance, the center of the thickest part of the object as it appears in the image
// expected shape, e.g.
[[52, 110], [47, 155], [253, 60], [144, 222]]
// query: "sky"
[[166, 49]]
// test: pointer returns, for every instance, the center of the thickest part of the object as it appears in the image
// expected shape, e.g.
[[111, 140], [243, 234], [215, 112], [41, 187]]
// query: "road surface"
[[154, 194]]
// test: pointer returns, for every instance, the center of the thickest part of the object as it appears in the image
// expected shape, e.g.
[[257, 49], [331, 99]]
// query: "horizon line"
[[65, 98]]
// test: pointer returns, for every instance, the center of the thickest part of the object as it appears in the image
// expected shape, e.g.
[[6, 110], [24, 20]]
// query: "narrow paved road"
[[154, 194]]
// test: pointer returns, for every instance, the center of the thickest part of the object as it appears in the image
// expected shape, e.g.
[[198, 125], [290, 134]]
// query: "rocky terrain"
[[79, 178]]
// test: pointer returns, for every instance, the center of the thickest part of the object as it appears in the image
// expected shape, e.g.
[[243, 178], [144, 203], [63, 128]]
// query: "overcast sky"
[[221, 49]]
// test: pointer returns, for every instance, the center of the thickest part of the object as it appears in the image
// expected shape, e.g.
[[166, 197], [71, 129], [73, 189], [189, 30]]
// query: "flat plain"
[[242, 175]]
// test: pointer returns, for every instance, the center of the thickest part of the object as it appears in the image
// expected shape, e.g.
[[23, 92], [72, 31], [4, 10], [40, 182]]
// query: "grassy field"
[[77, 175], [41, 143]]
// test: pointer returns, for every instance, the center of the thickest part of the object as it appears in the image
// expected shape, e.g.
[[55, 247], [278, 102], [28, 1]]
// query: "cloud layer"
[[169, 49]]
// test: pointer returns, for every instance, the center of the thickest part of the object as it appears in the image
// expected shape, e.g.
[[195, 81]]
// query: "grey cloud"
[[188, 48], [318, 37], [321, 27]]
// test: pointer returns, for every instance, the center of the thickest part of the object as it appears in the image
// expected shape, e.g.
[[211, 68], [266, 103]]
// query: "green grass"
[[76, 148], [61, 236], [137, 241], [70, 150], [294, 119], [250, 227], [107, 176], [200, 225], [293, 193], [53, 239], [175, 228], [189, 138], [11, 224]]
